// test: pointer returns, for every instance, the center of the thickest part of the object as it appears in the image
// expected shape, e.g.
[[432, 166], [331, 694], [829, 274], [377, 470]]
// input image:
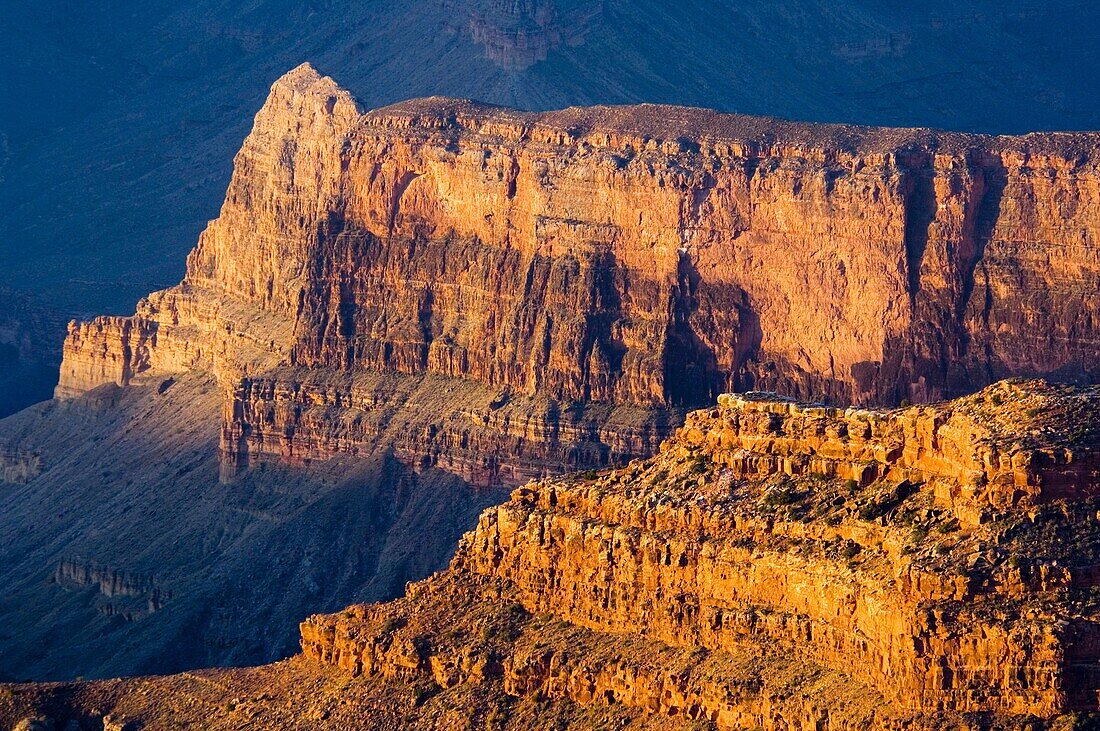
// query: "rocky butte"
[[564, 283], [776, 566]]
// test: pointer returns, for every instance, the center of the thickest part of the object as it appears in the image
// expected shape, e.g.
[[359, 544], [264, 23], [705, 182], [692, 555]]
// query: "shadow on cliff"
[[946, 350], [706, 358]]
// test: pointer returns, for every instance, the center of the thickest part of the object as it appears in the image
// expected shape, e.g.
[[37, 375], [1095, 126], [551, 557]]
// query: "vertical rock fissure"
[[920, 212]]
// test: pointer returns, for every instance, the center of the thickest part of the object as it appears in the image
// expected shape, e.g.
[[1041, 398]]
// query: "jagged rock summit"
[[776, 566], [565, 283]]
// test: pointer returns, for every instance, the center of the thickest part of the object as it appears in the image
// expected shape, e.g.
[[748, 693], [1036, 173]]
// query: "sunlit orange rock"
[[641, 258]]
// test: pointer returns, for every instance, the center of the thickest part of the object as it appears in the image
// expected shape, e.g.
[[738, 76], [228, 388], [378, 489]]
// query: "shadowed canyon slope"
[[122, 554], [775, 566], [449, 294]]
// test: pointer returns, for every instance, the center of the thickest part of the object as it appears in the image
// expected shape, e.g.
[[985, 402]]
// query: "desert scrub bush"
[[948, 526], [783, 494], [392, 624]]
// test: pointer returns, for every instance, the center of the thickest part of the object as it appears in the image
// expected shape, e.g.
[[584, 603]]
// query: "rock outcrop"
[[18, 466], [122, 594], [517, 35], [775, 566], [840, 543], [580, 263]]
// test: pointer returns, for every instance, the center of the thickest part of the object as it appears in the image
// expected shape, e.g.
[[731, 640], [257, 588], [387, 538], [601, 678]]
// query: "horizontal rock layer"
[[487, 437], [120, 593], [933, 556], [19, 466], [640, 256]]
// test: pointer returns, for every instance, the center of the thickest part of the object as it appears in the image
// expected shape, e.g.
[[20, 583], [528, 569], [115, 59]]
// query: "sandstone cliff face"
[[839, 541], [647, 257]]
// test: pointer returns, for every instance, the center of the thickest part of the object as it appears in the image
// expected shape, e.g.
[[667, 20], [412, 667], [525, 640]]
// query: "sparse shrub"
[[949, 526], [783, 495], [420, 695], [869, 511], [392, 624]]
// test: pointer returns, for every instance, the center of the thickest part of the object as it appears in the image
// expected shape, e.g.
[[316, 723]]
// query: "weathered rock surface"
[[775, 566], [639, 257], [517, 35], [18, 466], [749, 531], [123, 594]]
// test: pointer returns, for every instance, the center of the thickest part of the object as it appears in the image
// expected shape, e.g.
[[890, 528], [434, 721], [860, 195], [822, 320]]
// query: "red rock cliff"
[[639, 257]]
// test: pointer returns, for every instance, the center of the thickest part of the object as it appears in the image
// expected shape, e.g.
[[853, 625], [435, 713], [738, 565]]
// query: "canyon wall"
[[644, 257], [30, 347], [752, 534]]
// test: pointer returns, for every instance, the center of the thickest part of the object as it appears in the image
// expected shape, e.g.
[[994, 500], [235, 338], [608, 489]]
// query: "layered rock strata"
[[645, 257], [864, 599], [19, 466], [518, 35], [775, 566], [122, 594]]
